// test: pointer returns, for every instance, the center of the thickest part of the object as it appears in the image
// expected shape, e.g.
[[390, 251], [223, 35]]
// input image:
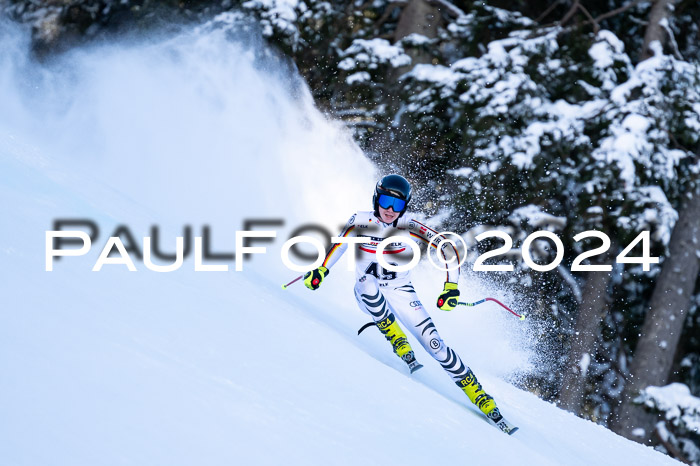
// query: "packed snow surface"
[[185, 367]]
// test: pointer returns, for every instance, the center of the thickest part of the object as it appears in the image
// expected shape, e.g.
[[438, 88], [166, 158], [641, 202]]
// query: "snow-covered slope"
[[119, 367]]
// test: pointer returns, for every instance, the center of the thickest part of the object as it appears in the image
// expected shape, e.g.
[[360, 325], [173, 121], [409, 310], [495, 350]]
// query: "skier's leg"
[[371, 300], [412, 313]]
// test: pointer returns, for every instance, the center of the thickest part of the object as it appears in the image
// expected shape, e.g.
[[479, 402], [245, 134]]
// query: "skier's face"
[[387, 215]]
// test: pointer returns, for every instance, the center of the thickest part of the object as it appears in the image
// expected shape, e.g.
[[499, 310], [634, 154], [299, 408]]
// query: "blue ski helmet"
[[393, 191]]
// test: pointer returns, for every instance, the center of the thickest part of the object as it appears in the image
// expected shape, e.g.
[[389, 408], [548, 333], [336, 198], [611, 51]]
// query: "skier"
[[386, 295]]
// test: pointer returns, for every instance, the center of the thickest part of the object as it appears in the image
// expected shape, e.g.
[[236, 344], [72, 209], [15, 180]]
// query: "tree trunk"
[[655, 30], [653, 357], [418, 17], [592, 310]]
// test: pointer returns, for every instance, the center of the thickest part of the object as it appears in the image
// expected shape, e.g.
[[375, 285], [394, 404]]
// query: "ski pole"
[[284, 287], [520, 316]]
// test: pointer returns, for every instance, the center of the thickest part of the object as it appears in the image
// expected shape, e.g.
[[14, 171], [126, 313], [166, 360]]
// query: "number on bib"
[[380, 273]]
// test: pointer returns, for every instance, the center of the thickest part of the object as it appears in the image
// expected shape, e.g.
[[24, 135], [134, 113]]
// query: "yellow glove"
[[449, 296], [313, 278]]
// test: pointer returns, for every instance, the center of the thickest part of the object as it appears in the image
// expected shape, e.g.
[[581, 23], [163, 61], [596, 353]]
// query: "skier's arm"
[[450, 293], [338, 249], [314, 278], [448, 252]]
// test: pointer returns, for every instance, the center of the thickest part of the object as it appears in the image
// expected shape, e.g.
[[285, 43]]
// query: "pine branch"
[[546, 12], [617, 11], [387, 13], [675, 452], [675, 141], [449, 7], [672, 39], [569, 14], [593, 21], [596, 27]]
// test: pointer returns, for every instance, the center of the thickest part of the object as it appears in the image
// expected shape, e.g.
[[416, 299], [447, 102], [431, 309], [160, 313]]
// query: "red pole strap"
[[481, 301], [521, 317]]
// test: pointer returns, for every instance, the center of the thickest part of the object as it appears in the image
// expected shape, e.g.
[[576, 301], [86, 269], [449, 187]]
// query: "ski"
[[410, 359], [496, 418]]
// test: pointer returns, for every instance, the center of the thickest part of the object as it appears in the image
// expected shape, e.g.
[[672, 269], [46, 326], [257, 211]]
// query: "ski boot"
[[476, 394], [484, 402], [393, 333]]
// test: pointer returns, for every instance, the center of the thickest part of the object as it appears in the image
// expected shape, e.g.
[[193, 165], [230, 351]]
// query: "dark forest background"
[[564, 116]]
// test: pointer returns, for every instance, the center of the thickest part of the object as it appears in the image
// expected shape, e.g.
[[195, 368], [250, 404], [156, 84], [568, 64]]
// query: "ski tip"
[[416, 367], [512, 431]]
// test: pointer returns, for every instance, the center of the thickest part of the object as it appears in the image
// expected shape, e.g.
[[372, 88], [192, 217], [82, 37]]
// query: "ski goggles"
[[386, 201]]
